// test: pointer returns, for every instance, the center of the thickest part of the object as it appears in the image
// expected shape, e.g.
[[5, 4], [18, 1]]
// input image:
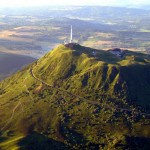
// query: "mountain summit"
[[76, 97]]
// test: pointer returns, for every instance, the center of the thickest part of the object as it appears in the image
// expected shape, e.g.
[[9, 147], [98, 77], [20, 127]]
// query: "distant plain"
[[37, 30]]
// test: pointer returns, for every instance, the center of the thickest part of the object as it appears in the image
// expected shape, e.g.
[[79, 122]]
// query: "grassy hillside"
[[82, 72], [77, 98]]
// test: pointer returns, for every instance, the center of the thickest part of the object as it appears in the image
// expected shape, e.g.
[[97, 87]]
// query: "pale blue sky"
[[71, 2]]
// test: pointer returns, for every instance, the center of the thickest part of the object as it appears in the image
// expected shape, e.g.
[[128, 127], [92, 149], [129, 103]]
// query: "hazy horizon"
[[18, 3]]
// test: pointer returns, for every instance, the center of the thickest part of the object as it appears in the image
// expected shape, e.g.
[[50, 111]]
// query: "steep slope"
[[77, 98], [83, 72]]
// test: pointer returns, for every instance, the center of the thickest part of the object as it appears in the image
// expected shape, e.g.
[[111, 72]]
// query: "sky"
[[12, 3]]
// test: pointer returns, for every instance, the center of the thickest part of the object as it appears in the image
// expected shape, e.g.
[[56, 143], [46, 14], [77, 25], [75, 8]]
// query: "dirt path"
[[16, 106], [13, 112]]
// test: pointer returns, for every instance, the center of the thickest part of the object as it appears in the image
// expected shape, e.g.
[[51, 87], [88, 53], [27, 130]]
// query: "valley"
[[11, 63]]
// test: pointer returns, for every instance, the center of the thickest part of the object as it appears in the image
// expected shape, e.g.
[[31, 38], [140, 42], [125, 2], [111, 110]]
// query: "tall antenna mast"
[[71, 36]]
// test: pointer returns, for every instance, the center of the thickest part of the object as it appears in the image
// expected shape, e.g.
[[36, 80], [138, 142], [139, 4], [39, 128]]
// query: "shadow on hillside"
[[72, 136], [78, 140], [134, 143], [138, 143], [36, 141], [2, 139]]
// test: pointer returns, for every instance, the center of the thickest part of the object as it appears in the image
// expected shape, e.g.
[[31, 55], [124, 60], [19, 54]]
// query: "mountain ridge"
[[73, 98], [92, 62]]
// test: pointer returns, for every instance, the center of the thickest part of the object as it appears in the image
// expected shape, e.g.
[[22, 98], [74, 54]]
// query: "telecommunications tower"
[[71, 36]]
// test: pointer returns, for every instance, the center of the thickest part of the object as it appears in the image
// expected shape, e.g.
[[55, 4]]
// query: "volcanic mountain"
[[76, 97]]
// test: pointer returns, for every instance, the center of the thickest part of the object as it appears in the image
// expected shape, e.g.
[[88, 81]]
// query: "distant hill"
[[145, 7], [76, 97], [106, 11], [76, 11], [10, 63]]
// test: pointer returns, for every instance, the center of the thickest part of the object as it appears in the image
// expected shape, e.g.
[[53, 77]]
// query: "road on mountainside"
[[92, 102]]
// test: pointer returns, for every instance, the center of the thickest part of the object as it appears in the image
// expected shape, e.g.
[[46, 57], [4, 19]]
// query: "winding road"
[[77, 96], [87, 100]]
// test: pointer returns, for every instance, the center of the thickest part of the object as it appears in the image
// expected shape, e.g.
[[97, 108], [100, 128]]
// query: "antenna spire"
[[71, 36]]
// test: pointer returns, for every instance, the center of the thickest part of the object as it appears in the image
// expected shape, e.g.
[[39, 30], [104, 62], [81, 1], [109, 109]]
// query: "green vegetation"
[[74, 99]]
